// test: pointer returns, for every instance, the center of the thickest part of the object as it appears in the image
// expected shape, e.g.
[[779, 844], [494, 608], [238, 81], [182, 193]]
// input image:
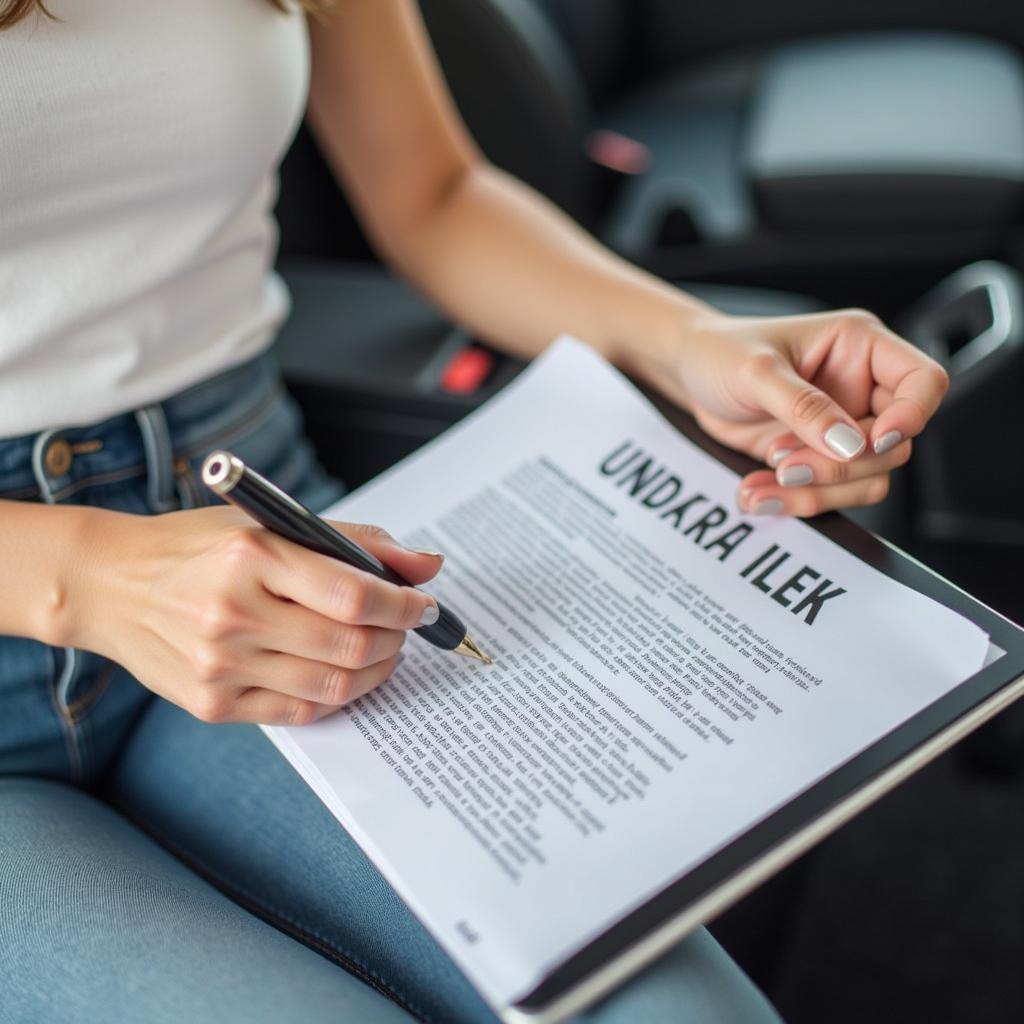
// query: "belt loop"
[[42, 479], [156, 443]]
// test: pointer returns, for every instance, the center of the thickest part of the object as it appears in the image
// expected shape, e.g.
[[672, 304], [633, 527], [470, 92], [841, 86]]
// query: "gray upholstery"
[[693, 125], [889, 129], [534, 77]]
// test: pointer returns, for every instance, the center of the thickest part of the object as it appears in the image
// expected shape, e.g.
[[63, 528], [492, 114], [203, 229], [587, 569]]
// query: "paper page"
[[667, 671]]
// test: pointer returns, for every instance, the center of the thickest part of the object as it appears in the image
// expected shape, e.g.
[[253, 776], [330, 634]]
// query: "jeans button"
[[58, 458]]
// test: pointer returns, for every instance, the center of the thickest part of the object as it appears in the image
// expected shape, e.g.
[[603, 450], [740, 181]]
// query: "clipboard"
[[732, 872]]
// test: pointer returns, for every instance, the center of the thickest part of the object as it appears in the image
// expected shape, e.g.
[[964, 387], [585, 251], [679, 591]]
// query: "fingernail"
[[781, 454], [768, 507], [430, 615], [887, 442], [744, 497], [795, 476], [427, 551], [844, 440]]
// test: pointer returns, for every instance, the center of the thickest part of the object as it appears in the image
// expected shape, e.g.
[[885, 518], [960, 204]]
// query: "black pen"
[[227, 475]]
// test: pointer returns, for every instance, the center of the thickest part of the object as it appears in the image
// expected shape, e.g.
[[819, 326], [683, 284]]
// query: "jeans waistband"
[[55, 464]]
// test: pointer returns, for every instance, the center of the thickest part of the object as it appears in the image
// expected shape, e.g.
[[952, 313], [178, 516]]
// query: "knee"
[[34, 823], [31, 811], [55, 841]]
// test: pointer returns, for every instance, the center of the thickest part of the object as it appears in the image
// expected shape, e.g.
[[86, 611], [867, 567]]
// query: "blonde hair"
[[12, 11]]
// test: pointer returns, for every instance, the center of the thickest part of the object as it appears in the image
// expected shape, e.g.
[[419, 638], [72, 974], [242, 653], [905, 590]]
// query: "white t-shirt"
[[138, 149]]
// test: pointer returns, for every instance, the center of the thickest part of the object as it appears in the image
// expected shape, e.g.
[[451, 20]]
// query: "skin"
[[198, 604]]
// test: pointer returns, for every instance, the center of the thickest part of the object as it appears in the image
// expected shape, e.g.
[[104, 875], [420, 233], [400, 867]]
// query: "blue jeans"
[[155, 868]]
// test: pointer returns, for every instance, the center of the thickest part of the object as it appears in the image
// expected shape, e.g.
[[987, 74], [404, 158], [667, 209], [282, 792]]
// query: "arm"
[[504, 262], [41, 550], [435, 208], [198, 604]]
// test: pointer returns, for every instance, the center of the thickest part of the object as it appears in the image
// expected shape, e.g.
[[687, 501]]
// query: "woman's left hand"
[[830, 401]]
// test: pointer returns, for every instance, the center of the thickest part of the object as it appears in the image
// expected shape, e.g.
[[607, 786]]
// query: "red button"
[[618, 152], [466, 371]]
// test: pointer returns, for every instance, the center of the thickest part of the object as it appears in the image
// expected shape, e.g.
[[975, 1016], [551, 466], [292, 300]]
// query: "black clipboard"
[[777, 840]]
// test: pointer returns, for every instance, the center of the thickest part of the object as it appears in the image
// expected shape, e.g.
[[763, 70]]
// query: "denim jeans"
[[155, 868]]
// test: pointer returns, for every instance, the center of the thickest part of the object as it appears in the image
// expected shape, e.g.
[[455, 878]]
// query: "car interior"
[[771, 159]]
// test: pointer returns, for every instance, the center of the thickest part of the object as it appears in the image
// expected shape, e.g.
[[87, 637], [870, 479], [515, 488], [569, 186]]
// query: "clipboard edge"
[[774, 859]]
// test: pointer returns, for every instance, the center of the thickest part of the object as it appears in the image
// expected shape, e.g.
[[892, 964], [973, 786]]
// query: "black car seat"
[[544, 83]]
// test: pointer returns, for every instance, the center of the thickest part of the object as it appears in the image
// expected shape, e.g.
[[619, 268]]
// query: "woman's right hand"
[[235, 624]]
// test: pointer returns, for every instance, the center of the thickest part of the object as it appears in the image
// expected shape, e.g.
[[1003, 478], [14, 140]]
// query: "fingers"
[[804, 483], [914, 385], [306, 664], [881, 399], [341, 593], [415, 566], [267, 707], [285, 627], [760, 494], [303, 634], [805, 467], [785, 444], [773, 384], [317, 682], [294, 692], [797, 466], [304, 693]]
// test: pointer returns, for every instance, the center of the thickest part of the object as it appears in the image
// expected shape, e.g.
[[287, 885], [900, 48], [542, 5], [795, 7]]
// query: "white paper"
[[649, 701]]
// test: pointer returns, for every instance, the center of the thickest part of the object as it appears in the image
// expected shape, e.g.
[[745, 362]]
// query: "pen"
[[227, 475]]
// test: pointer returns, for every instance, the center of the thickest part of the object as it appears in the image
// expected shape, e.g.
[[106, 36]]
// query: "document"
[[667, 671]]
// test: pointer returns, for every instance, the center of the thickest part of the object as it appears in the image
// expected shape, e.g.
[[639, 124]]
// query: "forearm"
[[42, 550], [494, 254], [505, 262]]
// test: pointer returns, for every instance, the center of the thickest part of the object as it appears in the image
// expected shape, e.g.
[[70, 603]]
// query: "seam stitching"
[[278, 918], [77, 709], [67, 724], [112, 476], [19, 493]]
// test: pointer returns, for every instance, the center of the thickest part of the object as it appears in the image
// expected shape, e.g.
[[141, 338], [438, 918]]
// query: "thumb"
[[414, 566], [814, 416]]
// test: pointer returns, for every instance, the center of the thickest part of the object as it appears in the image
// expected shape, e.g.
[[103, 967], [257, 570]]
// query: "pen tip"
[[469, 649]]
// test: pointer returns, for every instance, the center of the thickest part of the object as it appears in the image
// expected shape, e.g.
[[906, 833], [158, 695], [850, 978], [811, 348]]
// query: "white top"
[[137, 175]]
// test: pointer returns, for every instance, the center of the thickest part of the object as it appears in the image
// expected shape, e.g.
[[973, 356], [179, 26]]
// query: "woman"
[[139, 145]]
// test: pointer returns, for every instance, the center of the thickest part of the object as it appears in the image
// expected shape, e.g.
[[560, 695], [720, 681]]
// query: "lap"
[[98, 922], [227, 803], [224, 800]]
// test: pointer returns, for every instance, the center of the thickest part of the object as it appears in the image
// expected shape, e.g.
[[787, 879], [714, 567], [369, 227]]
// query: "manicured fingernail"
[[427, 551], [846, 442], [795, 476], [887, 442], [430, 615], [744, 497], [768, 507], [781, 454]]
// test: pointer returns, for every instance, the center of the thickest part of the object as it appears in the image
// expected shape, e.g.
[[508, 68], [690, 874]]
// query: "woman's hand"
[[829, 400], [235, 624]]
